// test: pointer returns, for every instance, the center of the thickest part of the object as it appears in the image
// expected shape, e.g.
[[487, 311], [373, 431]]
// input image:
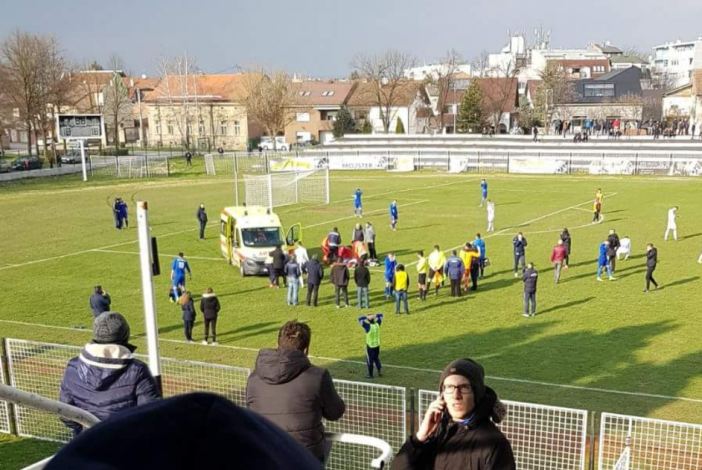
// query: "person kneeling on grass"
[[458, 430], [371, 325], [105, 379], [209, 306]]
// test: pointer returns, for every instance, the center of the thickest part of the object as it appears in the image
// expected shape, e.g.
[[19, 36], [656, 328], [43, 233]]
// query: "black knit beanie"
[[469, 369]]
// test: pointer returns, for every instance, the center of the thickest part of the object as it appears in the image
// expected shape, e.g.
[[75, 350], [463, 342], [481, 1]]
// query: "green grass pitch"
[[601, 346]]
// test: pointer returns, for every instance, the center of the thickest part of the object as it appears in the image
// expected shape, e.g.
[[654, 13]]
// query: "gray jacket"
[[295, 395]]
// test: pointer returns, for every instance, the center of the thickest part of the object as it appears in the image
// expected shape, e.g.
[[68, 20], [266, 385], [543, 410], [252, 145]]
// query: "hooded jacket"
[[288, 390], [479, 445], [315, 272], [104, 380], [339, 275], [209, 306], [100, 302]]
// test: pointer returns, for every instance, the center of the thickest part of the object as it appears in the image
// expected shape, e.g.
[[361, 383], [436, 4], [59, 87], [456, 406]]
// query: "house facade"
[[405, 102], [199, 111], [317, 104]]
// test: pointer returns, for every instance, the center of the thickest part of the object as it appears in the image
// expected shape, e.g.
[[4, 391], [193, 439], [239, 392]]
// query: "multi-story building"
[[674, 62], [202, 111]]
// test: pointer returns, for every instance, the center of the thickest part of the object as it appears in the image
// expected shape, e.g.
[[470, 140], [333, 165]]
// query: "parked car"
[[4, 165], [26, 163], [72, 156], [280, 144]]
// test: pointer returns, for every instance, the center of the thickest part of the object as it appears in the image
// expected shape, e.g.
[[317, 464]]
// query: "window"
[[223, 127], [304, 93], [328, 93], [170, 127], [302, 117], [361, 115], [237, 128], [599, 89], [201, 128]]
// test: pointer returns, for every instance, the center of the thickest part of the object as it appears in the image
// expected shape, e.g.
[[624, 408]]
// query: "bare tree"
[[269, 98], [180, 90], [553, 90], [481, 64], [21, 56], [500, 92], [386, 74], [117, 104], [443, 78]]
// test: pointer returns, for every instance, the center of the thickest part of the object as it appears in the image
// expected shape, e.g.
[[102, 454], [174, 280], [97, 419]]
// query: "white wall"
[[395, 112], [683, 104]]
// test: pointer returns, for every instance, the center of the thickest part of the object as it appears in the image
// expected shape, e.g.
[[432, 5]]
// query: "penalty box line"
[[393, 366]]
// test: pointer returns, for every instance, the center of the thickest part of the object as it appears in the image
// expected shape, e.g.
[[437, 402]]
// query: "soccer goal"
[[287, 187]]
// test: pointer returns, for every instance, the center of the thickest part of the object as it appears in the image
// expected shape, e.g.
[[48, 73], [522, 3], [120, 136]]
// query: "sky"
[[320, 38]]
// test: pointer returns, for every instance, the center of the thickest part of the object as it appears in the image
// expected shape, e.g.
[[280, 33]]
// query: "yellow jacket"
[[422, 266], [468, 256], [401, 281], [437, 260]]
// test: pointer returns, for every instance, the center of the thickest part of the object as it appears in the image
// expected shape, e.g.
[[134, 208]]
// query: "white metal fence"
[[542, 437], [4, 407], [372, 410], [651, 444]]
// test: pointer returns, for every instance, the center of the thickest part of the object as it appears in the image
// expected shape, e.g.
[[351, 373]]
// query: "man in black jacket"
[[651, 262], [530, 278], [315, 273], [202, 220], [295, 395], [279, 260], [340, 278], [614, 245], [519, 242], [362, 277], [100, 301], [458, 430]]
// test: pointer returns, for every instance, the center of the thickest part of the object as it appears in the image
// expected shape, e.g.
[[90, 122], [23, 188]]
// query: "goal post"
[[287, 187]]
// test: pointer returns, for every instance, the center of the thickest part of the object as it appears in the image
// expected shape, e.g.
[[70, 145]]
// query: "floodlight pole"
[[147, 288], [82, 159]]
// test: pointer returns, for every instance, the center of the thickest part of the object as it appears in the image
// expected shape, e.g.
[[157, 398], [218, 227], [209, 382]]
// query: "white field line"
[[392, 366], [81, 252], [208, 258], [500, 232], [365, 213]]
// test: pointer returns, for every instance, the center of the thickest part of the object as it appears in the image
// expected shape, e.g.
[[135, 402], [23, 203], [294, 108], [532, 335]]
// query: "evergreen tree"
[[367, 128], [470, 113], [344, 123], [399, 127]]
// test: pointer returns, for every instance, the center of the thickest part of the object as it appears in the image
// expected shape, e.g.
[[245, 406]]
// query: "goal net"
[[287, 187]]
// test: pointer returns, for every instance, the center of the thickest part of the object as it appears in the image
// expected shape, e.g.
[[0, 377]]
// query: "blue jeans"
[[401, 297], [362, 297], [293, 288], [599, 270]]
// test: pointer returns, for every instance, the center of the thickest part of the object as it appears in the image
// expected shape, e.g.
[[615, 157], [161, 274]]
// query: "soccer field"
[[600, 346]]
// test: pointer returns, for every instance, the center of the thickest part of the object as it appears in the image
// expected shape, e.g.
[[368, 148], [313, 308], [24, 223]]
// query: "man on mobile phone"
[[458, 430]]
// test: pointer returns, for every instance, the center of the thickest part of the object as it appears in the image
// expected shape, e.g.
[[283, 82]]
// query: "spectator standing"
[[567, 241], [612, 248], [458, 429], [105, 379], [530, 278], [202, 220], [357, 234], [454, 270], [188, 159], [279, 260], [362, 277], [209, 306], [295, 395], [188, 308], [401, 286], [315, 274], [422, 271], [302, 259], [519, 244], [371, 325], [293, 274], [340, 278], [100, 301], [369, 237], [651, 263], [436, 260], [558, 256]]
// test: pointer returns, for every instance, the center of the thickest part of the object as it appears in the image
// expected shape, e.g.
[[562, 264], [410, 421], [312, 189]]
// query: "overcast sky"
[[321, 37]]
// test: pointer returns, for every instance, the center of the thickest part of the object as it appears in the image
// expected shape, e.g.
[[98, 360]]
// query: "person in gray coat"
[[100, 301], [530, 278], [292, 393]]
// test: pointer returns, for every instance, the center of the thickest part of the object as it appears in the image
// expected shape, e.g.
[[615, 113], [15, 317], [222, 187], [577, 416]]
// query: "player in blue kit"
[[178, 269], [357, 204], [483, 191], [393, 216]]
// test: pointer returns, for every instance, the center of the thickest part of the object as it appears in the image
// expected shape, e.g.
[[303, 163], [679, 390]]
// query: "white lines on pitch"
[[392, 366], [81, 252], [365, 214]]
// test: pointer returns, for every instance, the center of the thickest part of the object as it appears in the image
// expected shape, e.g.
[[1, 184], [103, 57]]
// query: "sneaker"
[[645, 290], [525, 315], [379, 374], [599, 279], [338, 306], [346, 306], [215, 343], [612, 278], [190, 341], [516, 274], [369, 376], [204, 341]]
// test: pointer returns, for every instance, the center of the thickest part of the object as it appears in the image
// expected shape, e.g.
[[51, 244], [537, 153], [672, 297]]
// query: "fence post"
[[508, 162], [448, 160], [636, 163], [5, 364], [168, 166], [412, 412], [570, 164], [593, 442]]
